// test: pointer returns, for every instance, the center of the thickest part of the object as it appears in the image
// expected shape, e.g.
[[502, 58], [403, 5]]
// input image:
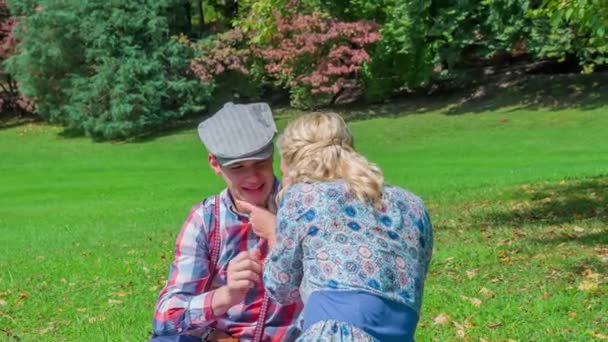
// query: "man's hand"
[[244, 272], [262, 221]]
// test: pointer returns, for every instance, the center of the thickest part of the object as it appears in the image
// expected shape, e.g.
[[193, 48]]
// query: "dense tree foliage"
[[107, 68], [11, 100], [114, 69]]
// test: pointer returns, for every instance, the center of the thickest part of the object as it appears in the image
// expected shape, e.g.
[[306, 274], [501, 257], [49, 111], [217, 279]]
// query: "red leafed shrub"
[[225, 53], [316, 57], [226, 62], [11, 101], [319, 57]]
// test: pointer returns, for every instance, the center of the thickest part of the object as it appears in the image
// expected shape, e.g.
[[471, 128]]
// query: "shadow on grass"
[[183, 124], [169, 129], [535, 92], [491, 93], [555, 204], [398, 107], [16, 121], [569, 202], [590, 239]]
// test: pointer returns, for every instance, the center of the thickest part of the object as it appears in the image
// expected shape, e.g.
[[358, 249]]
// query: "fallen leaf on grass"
[[598, 335], [591, 281], [504, 257], [47, 329], [494, 325], [97, 319], [3, 302], [114, 301], [475, 301], [588, 285], [472, 273], [590, 274], [503, 242], [441, 319], [520, 234], [486, 292], [460, 330], [602, 252]]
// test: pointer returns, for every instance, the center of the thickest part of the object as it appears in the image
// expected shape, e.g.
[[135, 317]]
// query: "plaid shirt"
[[183, 306]]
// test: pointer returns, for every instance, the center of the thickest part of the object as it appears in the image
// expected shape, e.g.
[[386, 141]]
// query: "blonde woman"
[[355, 250]]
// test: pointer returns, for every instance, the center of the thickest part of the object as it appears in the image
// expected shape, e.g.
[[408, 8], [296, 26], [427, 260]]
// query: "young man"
[[217, 299]]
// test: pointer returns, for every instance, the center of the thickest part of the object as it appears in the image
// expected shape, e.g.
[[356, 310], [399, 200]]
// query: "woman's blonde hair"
[[319, 147]]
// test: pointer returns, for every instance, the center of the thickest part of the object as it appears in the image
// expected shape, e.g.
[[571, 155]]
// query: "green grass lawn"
[[518, 195]]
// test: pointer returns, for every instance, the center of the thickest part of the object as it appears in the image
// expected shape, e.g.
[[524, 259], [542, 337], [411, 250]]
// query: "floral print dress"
[[327, 241]]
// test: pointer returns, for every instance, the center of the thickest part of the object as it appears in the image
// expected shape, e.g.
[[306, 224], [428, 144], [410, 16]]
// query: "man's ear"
[[214, 164]]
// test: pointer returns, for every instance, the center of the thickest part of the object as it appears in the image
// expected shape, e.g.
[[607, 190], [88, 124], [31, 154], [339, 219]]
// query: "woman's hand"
[[262, 221]]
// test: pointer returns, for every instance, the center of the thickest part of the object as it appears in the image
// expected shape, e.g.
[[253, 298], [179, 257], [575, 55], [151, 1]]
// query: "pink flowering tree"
[[315, 57], [318, 58], [225, 53], [226, 63], [11, 101]]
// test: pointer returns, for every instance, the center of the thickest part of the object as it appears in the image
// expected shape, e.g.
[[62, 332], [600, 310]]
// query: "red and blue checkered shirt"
[[183, 306]]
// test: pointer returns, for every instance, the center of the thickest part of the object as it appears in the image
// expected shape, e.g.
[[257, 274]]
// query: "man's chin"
[[259, 199]]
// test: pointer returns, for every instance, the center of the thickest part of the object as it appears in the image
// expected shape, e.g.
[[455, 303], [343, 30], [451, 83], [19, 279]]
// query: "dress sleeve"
[[283, 269], [426, 236]]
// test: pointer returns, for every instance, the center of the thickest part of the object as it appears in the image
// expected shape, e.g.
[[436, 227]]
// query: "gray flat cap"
[[239, 132]]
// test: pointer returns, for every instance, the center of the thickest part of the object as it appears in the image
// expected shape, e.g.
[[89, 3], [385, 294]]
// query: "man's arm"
[[182, 306]]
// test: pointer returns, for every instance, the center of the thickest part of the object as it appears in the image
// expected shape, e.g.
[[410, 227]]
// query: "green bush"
[[402, 58], [106, 68], [109, 68], [576, 28]]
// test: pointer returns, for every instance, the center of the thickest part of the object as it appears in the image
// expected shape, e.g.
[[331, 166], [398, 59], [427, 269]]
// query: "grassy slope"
[[519, 210]]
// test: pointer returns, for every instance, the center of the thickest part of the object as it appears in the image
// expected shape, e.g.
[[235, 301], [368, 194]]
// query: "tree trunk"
[[230, 9], [188, 9], [201, 17]]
